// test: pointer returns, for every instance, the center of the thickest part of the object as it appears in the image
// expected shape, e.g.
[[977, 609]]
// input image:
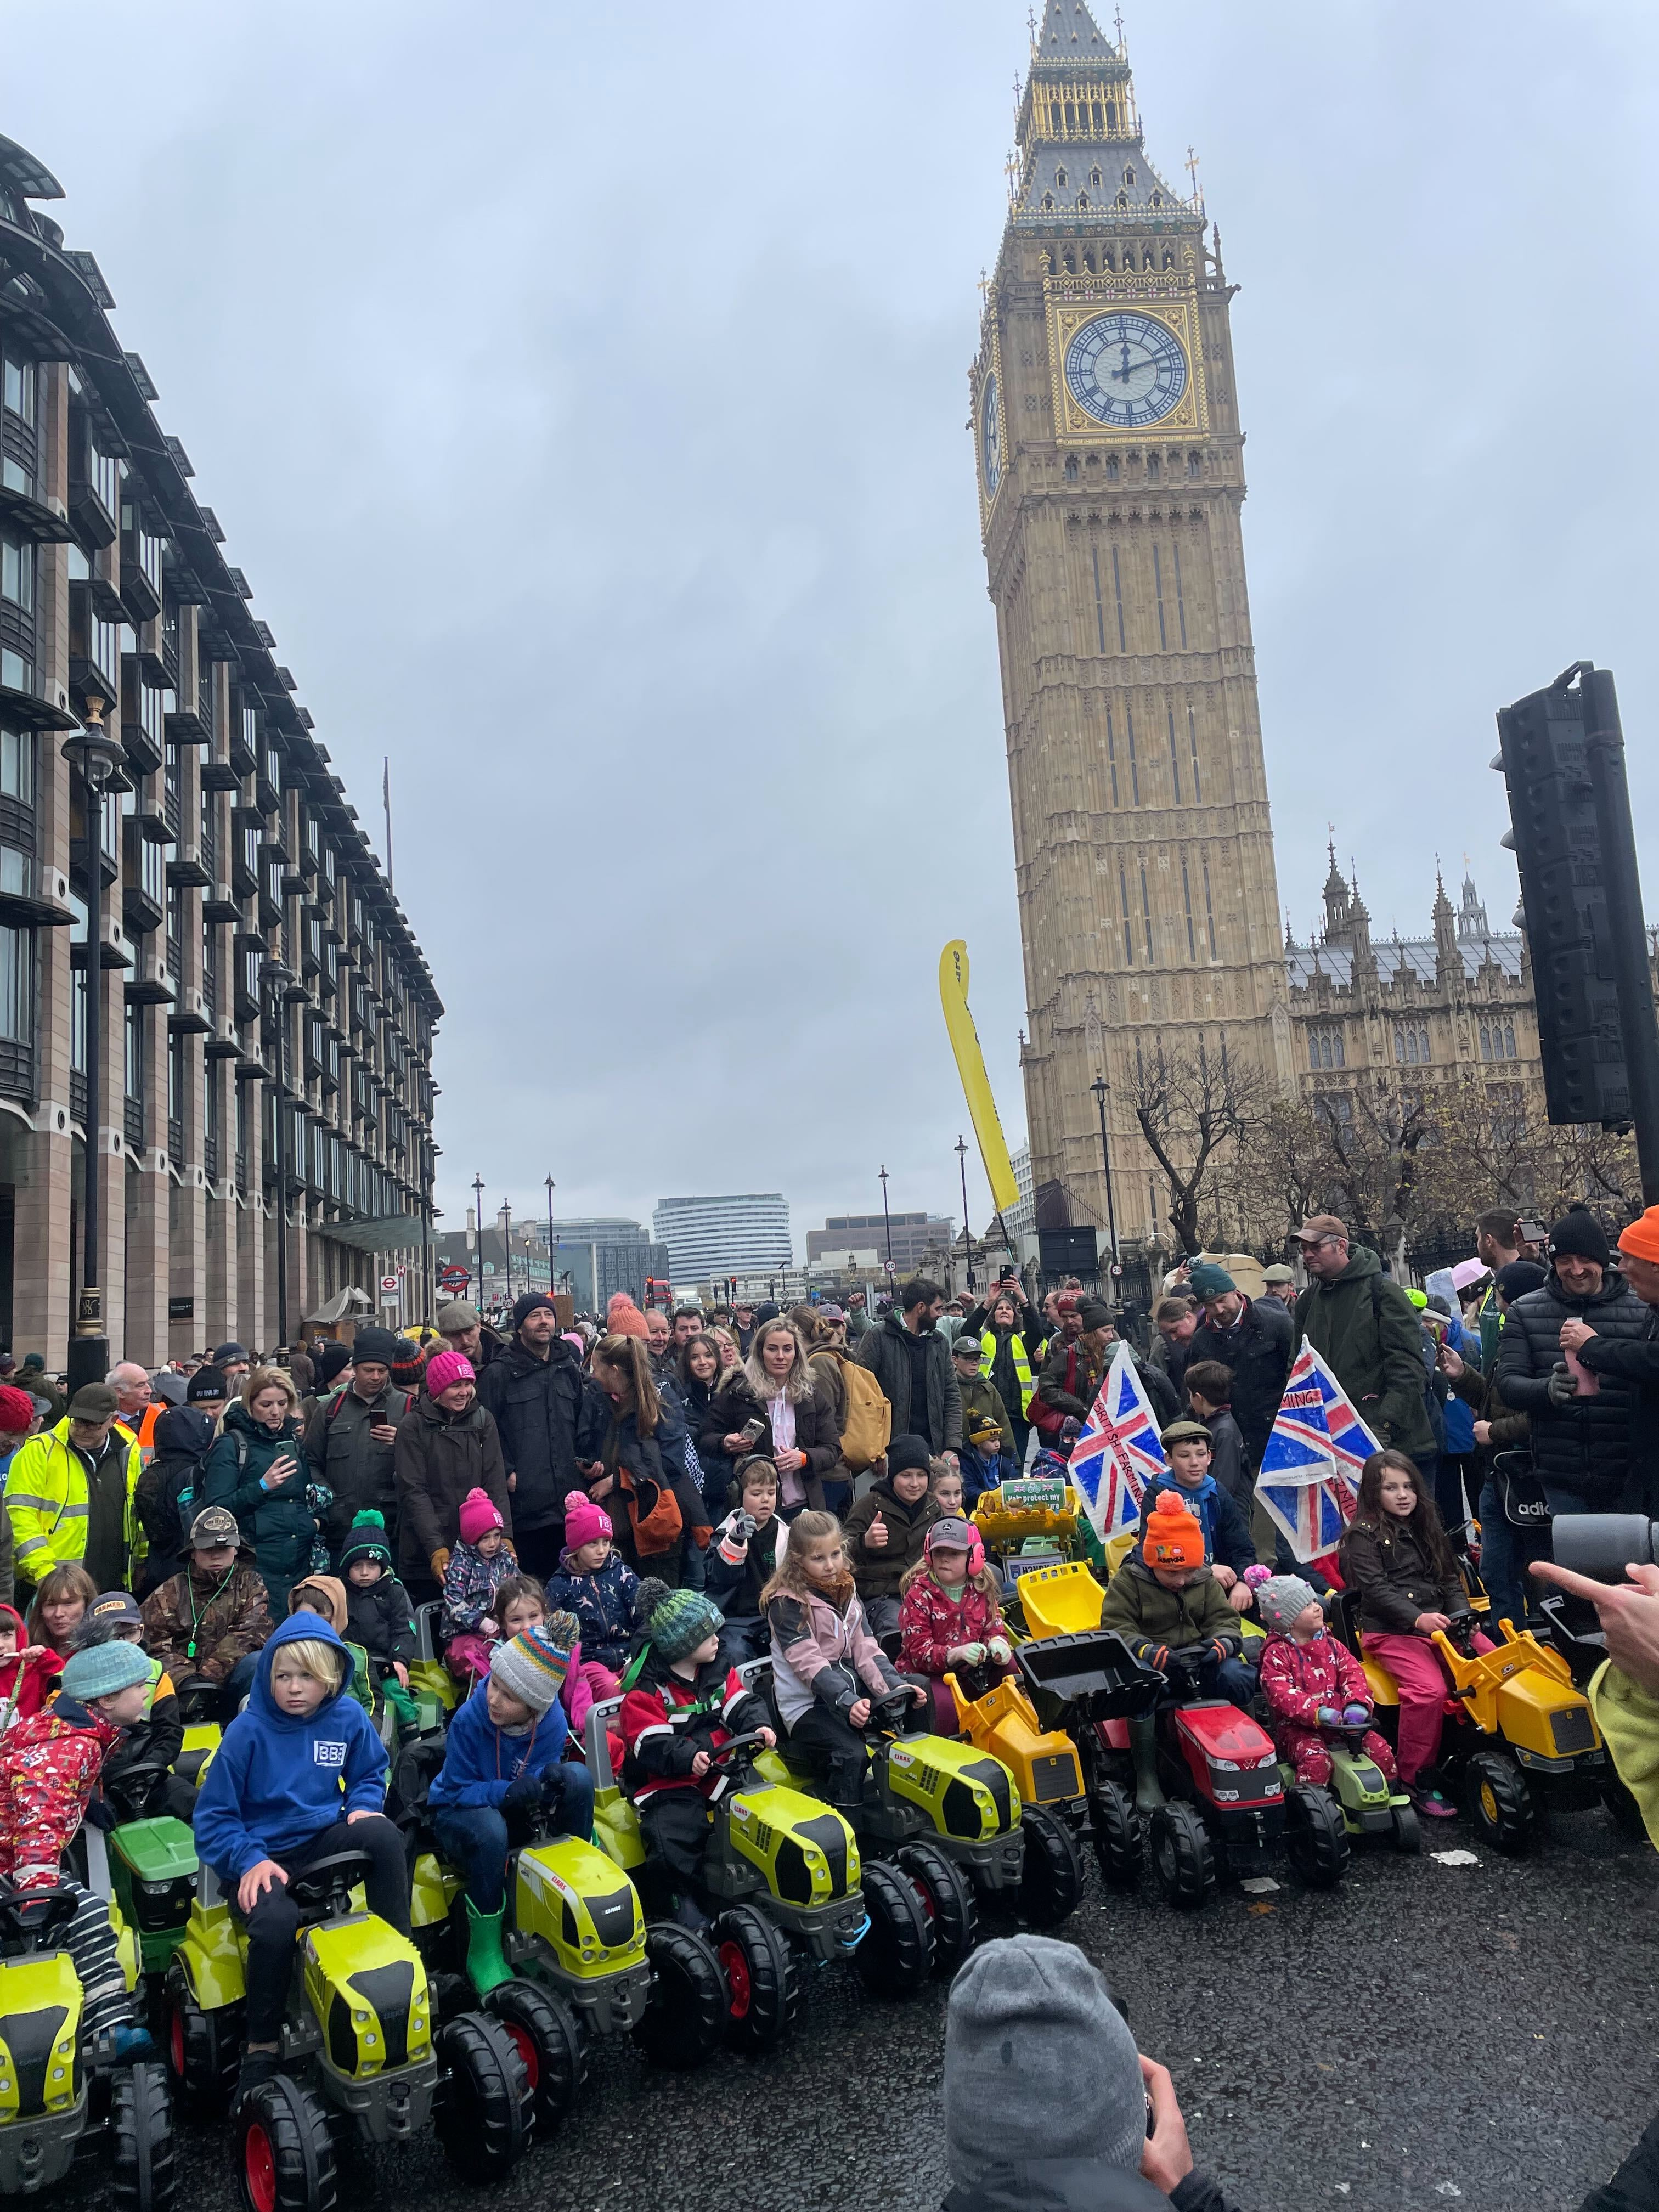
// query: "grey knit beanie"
[[1039, 2063], [1279, 1601]]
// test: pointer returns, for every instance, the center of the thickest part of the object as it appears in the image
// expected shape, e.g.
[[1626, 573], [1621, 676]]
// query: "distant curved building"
[[708, 1238]]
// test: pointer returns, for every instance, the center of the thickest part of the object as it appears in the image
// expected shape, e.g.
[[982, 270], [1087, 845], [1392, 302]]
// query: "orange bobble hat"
[[1174, 1537], [624, 1318], [1641, 1239]]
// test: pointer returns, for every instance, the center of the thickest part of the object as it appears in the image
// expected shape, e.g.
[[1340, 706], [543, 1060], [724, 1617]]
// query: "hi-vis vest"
[[988, 1352]]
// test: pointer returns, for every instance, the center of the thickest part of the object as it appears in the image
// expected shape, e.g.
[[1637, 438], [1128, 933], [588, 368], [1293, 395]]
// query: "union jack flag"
[[1310, 1478], [1117, 1451]]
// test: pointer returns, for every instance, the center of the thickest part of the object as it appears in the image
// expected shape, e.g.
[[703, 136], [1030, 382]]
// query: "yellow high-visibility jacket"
[[47, 1502]]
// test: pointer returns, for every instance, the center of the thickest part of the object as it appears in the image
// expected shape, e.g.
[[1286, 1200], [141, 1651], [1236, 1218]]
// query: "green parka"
[[1366, 1331]]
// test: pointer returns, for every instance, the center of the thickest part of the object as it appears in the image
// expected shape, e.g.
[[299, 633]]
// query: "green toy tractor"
[[785, 1873], [59, 2096], [361, 2046], [147, 1865]]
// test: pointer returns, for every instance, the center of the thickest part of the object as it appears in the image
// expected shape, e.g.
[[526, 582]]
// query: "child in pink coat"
[[951, 1622], [1314, 1685]]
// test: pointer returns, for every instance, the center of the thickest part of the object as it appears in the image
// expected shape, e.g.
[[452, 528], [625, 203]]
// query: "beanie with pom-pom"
[[675, 1620], [366, 1539], [624, 1318], [479, 1515]]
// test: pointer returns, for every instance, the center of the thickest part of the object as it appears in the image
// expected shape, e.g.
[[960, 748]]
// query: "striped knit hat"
[[530, 1667], [676, 1621]]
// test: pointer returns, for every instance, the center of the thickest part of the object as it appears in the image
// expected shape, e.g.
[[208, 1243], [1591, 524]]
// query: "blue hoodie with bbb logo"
[[277, 1781]]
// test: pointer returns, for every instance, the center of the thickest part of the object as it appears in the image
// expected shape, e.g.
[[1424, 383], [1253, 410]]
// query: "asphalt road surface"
[[1483, 2036]]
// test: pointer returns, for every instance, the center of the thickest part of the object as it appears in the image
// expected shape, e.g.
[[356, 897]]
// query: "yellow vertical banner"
[[975, 1084]]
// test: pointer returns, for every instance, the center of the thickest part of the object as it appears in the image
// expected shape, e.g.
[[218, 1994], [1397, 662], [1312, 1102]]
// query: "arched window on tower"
[[1128, 176], [1158, 199], [1169, 259], [1048, 201], [1083, 199], [1509, 1040], [1094, 179], [1151, 468], [1485, 1042], [1113, 470], [1059, 178], [1123, 199], [1071, 262], [1146, 258], [1195, 465], [1070, 468], [1111, 115]]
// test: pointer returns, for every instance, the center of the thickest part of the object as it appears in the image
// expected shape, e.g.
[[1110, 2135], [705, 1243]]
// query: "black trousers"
[[273, 1923], [674, 1829], [836, 1751]]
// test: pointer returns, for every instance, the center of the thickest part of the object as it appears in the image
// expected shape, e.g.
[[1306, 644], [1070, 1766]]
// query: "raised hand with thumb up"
[[875, 1536]]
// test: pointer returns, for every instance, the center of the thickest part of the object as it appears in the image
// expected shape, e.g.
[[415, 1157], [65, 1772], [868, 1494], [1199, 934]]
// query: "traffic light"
[[1562, 758]]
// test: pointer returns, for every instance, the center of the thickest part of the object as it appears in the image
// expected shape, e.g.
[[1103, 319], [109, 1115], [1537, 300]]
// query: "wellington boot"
[[1143, 1745], [486, 1964]]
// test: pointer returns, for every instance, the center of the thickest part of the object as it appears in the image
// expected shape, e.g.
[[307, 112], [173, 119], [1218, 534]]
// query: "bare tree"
[[1192, 1108]]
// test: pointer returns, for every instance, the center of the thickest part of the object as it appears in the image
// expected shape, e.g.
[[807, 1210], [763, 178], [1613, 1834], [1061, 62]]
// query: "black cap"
[[377, 1346], [207, 1386]]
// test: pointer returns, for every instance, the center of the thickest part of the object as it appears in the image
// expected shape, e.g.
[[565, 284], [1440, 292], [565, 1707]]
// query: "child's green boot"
[[1143, 1744], [486, 1964]]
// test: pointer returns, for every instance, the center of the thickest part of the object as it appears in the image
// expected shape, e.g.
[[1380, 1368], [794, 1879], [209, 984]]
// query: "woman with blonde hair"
[[256, 1469], [777, 1388]]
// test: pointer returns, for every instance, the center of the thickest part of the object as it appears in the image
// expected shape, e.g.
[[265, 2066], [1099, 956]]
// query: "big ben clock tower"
[[1111, 466]]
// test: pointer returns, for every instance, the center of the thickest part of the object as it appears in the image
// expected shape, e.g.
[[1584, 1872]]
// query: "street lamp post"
[[477, 1230], [1099, 1087], [94, 753], [279, 976], [550, 1235], [507, 1245], [967, 1233], [888, 1219]]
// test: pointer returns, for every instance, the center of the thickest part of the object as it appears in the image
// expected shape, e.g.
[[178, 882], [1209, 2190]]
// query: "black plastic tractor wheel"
[[895, 1953], [947, 1898], [1497, 1801], [1183, 1862], [764, 1989], [1051, 1882], [141, 2130], [1315, 1837], [548, 2039], [684, 2018], [1408, 1830], [285, 2149], [1623, 1810], [204, 2048], [484, 2115], [1119, 1841]]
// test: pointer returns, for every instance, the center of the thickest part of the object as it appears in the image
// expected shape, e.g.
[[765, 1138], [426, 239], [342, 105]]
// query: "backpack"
[[869, 1425]]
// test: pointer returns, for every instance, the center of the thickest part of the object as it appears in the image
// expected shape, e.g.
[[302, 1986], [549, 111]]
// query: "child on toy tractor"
[[144, 1757], [49, 1769], [951, 1622], [300, 1773], [826, 1665], [1163, 1599], [1316, 1689], [206, 1623], [1227, 1543], [380, 1617], [681, 1705], [504, 1750]]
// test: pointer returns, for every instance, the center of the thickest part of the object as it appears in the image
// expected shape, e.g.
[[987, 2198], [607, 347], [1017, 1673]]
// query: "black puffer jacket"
[[1585, 1446], [536, 1404]]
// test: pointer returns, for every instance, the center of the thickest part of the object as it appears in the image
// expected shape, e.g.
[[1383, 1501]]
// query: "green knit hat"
[[366, 1540], [1206, 1281], [676, 1621]]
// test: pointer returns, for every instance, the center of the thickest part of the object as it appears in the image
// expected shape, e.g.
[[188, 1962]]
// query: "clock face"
[[1126, 370], [990, 438]]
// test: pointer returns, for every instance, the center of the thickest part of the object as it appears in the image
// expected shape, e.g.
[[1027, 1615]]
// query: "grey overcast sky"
[[583, 391]]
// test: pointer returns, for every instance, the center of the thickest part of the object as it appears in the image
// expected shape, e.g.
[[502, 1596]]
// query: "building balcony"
[[186, 867], [149, 984], [191, 1015], [34, 518]]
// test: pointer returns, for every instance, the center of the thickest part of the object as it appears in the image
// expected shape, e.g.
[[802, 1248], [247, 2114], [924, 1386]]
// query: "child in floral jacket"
[[950, 1620], [598, 1587], [1313, 1684], [478, 1565]]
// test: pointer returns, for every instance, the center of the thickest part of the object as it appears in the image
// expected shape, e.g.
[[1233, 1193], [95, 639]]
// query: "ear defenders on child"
[[954, 1534]]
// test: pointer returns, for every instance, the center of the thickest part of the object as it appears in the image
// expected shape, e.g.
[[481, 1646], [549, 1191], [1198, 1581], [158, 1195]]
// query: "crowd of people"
[[629, 1510]]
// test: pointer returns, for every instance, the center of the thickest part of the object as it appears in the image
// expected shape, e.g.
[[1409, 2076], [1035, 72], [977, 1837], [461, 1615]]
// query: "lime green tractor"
[[59, 2094], [361, 2046], [785, 1873], [948, 1817], [575, 1937]]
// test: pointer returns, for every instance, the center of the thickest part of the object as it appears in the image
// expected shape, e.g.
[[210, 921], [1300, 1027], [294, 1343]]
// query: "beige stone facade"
[[1109, 457], [226, 845]]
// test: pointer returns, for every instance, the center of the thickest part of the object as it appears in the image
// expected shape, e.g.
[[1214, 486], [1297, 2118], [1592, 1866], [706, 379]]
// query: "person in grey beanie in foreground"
[[1048, 2106]]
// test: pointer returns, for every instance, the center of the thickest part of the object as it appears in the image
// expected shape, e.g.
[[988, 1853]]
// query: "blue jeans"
[[1232, 1679], [475, 1836]]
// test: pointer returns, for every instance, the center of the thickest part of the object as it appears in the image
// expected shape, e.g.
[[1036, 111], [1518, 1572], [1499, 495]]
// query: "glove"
[[1219, 1648], [99, 1814], [1158, 1656], [974, 1654], [1329, 1716], [524, 1788], [999, 1651], [439, 1563], [1562, 1387], [1355, 1713]]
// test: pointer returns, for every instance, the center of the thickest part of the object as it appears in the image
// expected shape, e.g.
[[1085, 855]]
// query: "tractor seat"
[[412, 1775], [325, 1885], [1344, 1612], [34, 1919]]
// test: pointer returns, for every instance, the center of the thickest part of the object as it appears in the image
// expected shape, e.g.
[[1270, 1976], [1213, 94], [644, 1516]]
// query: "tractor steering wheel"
[[891, 1707], [735, 1748]]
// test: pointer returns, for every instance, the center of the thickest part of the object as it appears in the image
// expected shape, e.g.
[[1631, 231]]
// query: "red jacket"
[[930, 1625], [40, 1675], [1297, 1679], [665, 1721], [49, 1766]]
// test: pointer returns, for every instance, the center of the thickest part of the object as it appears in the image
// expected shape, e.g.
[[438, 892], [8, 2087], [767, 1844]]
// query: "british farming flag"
[[1310, 1478], [1117, 1450]]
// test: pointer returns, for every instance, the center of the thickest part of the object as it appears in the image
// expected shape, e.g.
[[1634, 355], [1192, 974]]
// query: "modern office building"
[[256, 984], [916, 1237], [594, 1260], [710, 1237]]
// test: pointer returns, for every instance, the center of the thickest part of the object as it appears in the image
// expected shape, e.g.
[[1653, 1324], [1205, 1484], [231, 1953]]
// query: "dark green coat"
[[1366, 1331], [279, 1523], [1145, 1614]]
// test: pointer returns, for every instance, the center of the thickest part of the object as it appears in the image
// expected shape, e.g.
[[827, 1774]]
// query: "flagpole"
[[385, 798]]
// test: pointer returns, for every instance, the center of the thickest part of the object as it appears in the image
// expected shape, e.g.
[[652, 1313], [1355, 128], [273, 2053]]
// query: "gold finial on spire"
[[1118, 21], [1031, 27], [1192, 170], [984, 285]]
